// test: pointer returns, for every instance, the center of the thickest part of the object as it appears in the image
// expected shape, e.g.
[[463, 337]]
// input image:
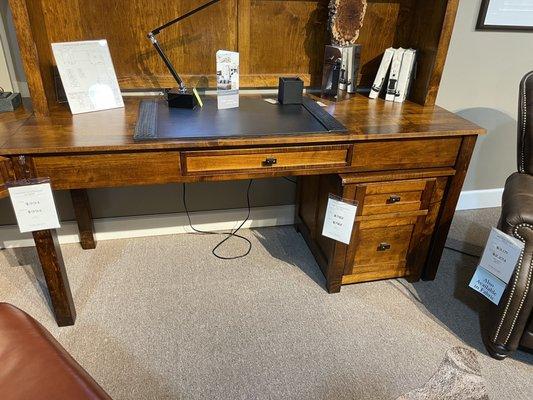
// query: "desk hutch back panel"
[[274, 38]]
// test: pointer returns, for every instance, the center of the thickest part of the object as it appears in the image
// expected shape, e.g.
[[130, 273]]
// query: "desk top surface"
[[21, 132]]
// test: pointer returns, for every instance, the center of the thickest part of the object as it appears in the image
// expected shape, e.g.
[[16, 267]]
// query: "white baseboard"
[[160, 224], [218, 220], [474, 199], [23, 88]]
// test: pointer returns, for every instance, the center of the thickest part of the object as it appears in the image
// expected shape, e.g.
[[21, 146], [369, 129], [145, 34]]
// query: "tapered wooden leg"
[[82, 210], [55, 276]]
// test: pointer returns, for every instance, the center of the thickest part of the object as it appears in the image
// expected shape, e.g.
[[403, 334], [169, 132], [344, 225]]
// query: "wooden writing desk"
[[420, 152]]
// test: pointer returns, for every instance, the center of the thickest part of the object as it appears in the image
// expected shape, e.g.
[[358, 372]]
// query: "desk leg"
[[336, 268], [82, 209], [55, 276]]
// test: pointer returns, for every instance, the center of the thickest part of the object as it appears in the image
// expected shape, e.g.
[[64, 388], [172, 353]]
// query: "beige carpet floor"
[[161, 318]]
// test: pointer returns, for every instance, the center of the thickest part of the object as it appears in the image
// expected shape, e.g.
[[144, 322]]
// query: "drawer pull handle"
[[393, 199], [383, 246], [270, 161]]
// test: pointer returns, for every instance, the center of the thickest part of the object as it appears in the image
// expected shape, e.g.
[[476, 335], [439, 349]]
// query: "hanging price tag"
[[33, 203], [339, 219], [497, 265], [501, 254]]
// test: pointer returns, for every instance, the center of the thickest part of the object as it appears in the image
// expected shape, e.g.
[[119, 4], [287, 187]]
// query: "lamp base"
[[179, 99]]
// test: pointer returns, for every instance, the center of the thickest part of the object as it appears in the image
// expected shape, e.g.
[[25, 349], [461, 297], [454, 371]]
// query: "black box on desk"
[[290, 90]]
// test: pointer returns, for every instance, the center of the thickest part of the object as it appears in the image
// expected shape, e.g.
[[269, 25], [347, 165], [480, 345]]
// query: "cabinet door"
[[6, 175]]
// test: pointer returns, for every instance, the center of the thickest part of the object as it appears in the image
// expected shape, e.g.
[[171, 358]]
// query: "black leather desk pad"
[[254, 117]]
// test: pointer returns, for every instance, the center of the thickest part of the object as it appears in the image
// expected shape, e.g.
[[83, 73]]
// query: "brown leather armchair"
[[33, 365], [511, 323]]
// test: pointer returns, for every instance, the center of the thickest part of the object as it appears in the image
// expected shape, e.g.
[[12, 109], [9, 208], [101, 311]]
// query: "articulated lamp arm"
[[152, 36]]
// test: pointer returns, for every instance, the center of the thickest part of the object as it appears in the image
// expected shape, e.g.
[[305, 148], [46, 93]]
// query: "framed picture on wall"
[[505, 15]]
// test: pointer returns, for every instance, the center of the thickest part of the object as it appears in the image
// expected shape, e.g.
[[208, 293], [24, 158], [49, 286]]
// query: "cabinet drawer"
[[109, 169], [417, 153], [242, 160], [383, 244], [381, 249], [395, 196]]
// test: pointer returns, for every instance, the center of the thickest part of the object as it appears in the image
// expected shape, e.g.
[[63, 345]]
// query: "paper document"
[[87, 75]]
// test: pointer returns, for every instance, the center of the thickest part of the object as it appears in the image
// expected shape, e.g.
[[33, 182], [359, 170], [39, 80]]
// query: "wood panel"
[[405, 154], [274, 37], [35, 52], [285, 37], [386, 24], [190, 44], [431, 31], [108, 170], [204, 162]]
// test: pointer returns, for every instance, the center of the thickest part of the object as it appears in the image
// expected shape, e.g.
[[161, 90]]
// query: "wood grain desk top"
[[10, 122], [23, 133]]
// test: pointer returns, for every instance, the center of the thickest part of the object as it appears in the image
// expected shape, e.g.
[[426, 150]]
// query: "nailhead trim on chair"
[[515, 282], [524, 120]]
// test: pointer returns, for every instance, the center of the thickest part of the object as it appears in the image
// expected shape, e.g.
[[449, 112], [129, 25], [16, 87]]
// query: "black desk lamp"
[[179, 97]]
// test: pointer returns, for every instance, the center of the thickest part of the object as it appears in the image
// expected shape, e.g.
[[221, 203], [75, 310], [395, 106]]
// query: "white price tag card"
[[34, 206], [488, 285], [501, 254], [339, 219]]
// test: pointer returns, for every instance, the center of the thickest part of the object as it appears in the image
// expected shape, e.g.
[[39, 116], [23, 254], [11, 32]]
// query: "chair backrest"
[[525, 125]]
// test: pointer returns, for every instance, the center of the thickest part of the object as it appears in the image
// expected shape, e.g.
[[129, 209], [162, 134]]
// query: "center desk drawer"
[[242, 160]]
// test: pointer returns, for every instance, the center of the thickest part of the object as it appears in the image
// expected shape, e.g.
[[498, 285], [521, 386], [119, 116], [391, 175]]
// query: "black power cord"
[[462, 252], [290, 180], [230, 234]]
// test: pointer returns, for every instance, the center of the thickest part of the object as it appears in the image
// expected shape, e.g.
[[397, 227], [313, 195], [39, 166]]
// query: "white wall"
[[6, 64], [480, 83]]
